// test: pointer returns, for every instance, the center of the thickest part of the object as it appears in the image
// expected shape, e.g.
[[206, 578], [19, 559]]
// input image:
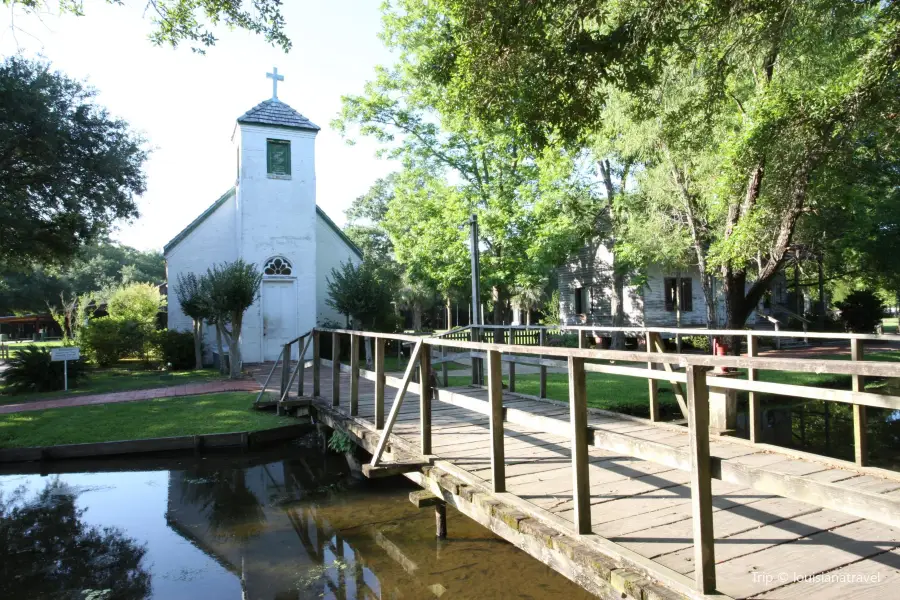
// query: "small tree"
[[193, 303], [416, 297], [231, 288], [138, 302], [529, 296], [357, 293], [861, 311]]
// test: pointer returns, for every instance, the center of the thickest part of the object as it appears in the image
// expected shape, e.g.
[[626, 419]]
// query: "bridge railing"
[[689, 370]]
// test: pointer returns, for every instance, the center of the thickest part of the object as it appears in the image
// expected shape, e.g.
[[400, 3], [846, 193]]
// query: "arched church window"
[[278, 265]]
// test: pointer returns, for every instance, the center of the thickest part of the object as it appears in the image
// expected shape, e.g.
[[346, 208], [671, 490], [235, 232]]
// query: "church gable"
[[196, 223]]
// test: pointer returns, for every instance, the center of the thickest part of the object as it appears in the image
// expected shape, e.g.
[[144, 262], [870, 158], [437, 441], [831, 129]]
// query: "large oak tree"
[[68, 169], [737, 111]]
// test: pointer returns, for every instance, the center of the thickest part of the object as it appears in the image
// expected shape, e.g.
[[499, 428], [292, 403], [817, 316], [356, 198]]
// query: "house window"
[[687, 299], [278, 157], [579, 301], [277, 266]]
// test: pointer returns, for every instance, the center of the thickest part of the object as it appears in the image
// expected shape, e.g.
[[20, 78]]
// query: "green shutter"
[[278, 157]]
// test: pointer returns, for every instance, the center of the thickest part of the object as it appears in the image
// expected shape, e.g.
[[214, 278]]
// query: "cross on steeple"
[[275, 77]]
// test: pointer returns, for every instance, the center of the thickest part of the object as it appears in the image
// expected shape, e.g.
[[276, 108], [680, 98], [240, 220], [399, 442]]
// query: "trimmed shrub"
[[175, 349], [697, 342], [108, 340], [861, 311], [31, 370]]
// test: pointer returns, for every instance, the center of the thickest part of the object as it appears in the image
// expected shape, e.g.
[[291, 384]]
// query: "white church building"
[[269, 218]]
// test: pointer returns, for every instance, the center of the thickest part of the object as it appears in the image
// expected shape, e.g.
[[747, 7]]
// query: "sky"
[[185, 104]]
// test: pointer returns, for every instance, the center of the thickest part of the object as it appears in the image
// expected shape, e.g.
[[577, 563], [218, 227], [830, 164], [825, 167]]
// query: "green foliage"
[[138, 302], [179, 21], [108, 340], [77, 170], [230, 289], [30, 370], [698, 342], [356, 292], [534, 208], [340, 442], [551, 309], [741, 121], [96, 269], [175, 349], [861, 311], [189, 291]]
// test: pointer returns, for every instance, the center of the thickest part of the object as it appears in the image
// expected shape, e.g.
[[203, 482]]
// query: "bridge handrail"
[[694, 401]]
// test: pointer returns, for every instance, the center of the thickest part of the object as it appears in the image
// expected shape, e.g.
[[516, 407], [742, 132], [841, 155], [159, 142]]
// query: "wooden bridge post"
[[512, 365], [860, 421], [651, 383], [495, 393], [543, 386], [354, 375], [754, 415], [317, 355], [335, 369], [303, 344], [477, 374], [285, 369], [425, 393], [379, 383], [701, 482], [581, 485]]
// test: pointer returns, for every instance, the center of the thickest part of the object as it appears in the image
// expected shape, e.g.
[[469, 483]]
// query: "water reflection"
[[286, 524], [49, 550]]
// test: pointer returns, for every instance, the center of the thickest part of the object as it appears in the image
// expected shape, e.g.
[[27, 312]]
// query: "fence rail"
[[689, 370]]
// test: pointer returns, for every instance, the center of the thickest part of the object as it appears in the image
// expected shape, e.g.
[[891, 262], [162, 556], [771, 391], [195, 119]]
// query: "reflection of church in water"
[[255, 524]]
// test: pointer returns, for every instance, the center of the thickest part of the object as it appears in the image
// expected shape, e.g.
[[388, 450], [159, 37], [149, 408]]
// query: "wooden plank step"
[[424, 498], [392, 468]]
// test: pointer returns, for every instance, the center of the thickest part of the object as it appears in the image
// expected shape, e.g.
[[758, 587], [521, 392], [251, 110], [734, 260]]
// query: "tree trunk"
[[499, 295], [618, 309], [198, 336], [220, 349], [234, 347], [820, 321], [417, 316], [449, 314], [738, 306]]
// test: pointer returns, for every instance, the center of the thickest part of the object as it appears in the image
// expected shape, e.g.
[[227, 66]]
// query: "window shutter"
[[687, 296], [278, 157], [669, 293]]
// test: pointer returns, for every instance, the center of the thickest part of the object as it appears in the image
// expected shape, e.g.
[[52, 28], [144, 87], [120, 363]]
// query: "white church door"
[[279, 300]]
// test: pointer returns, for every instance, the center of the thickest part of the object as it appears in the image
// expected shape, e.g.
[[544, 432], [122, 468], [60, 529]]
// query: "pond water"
[[285, 523]]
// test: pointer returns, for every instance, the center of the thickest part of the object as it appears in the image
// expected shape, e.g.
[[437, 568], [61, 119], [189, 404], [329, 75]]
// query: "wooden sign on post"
[[65, 355]]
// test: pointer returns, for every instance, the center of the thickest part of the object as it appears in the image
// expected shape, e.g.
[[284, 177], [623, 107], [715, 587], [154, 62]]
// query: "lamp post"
[[477, 372]]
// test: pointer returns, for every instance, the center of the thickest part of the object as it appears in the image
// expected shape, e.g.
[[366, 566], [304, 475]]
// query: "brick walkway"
[[188, 389]]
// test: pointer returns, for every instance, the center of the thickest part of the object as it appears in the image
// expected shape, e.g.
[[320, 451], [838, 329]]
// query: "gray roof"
[[275, 113]]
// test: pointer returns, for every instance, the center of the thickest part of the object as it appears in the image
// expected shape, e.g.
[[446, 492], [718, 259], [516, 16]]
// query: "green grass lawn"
[[629, 395], [165, 417], [119, 379], [891, 325], [14, 347], [391, 364]]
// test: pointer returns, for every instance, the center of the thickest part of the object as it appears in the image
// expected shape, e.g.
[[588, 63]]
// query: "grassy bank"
[[165, 417], [119, 379]]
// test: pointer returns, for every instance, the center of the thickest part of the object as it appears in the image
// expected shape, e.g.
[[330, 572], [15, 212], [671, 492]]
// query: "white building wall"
[[210, 242], [331, 252], [277, 218]]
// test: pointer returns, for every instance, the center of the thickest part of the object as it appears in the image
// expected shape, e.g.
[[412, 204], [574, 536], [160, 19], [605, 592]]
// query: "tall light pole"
[[477, 373]]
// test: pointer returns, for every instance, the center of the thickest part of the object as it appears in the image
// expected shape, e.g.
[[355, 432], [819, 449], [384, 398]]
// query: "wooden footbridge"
[[624, 506]]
